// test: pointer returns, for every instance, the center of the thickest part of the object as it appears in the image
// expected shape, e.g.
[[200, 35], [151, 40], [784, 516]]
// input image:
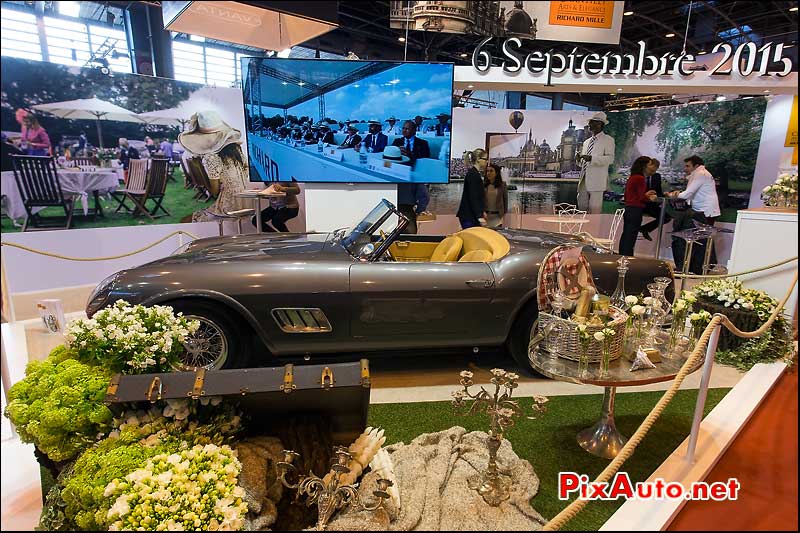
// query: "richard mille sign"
[[744, 60]]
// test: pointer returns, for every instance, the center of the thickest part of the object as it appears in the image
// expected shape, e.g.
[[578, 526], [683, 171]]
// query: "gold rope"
[[109, 258], [753, 271], [569, 512]]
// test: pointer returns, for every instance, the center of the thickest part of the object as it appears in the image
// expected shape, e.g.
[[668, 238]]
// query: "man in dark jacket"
[[410, 145], [653, 209]]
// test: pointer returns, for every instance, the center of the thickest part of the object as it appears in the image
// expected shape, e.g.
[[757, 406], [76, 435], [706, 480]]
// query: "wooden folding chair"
[[201, 177], [86, 161], [38, 185], [157, 186], [136, 186]]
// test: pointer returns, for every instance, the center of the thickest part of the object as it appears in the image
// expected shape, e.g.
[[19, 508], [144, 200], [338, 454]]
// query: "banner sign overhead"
[[586, 22]]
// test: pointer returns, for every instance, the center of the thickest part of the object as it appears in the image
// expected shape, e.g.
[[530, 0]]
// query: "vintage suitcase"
[[272, 398]]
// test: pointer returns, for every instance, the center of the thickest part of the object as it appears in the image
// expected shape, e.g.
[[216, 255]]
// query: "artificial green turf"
[[177, 200], [549, 442]]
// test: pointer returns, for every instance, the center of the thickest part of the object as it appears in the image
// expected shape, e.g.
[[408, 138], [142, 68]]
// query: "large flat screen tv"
[[342, 121]]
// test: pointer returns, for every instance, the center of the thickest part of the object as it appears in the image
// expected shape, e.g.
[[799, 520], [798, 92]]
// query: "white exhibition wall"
[[26, 271], [330, 206], [773, 156]]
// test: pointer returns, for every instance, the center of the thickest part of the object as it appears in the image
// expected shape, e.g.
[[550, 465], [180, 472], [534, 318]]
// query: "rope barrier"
[[569, 512], [678, 275], [109, 258]]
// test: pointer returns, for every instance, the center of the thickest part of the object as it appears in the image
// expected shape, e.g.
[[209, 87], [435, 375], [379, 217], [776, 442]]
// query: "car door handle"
[[480, 283]]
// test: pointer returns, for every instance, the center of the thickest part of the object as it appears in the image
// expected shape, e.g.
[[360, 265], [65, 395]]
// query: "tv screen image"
[[343, 121]]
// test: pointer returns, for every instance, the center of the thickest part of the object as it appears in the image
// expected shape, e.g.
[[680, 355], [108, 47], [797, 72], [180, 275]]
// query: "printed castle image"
[[535, 157]]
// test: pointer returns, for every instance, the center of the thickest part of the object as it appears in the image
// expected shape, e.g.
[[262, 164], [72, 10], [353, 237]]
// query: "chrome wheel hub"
[[206, 348]]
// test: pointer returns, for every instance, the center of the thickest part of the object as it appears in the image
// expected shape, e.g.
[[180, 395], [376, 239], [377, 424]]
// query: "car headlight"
[[100, 294]]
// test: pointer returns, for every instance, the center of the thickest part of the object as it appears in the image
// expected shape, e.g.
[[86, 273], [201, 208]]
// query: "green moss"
[[549, 442]]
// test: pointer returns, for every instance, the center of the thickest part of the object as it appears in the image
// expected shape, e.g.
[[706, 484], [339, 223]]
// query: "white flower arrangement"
[[731, 293], [631, 300], [781, 193], [195, 489], [638, 309], [131, 339]]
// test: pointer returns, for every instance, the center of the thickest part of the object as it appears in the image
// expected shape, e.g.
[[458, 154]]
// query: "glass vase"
[[605, 360], [583, 361]]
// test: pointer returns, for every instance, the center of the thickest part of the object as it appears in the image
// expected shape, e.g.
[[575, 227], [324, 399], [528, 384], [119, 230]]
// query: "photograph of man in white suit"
[[596, 156]]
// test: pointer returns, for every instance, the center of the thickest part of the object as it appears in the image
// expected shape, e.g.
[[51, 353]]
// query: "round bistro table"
[[603, 439]]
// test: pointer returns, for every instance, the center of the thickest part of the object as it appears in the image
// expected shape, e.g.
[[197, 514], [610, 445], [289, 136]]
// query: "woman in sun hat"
[[218, 146]]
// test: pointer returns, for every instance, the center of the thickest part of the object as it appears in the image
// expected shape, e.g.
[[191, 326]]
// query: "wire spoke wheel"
[[206, 348]]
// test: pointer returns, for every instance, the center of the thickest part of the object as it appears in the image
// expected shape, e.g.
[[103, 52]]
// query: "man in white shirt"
[[701, 190], [597, 154]]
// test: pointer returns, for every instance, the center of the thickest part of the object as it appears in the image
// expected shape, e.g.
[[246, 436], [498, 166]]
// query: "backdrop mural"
[[537, 150], [83, 114]]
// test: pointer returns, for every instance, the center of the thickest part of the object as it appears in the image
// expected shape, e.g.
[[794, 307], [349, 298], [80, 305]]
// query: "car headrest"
[[480, 238], [476, 256], [447, 250]]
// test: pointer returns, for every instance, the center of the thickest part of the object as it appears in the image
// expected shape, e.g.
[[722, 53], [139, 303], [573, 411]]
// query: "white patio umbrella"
[[88, 109], [167, 117]]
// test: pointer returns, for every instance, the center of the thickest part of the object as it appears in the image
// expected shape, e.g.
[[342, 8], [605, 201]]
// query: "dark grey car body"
[[371, 306]]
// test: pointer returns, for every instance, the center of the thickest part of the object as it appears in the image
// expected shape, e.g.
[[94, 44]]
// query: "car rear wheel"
[[520, 337], [218, 343]]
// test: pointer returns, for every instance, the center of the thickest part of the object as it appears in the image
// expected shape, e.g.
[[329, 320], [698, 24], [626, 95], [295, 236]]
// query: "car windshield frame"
[[363, 233]]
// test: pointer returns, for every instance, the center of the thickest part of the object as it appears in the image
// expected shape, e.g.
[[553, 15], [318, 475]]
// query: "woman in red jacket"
[[636, 197]]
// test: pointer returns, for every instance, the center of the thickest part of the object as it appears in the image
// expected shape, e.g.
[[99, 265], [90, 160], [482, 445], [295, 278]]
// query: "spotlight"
[[669, 35], [465, 55], [401, 39], [721, 98], [793, 8], [702, 52], [628, 13], [619, 89]]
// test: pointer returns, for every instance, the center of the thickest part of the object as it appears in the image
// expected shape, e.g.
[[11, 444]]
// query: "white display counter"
[[764, 236]]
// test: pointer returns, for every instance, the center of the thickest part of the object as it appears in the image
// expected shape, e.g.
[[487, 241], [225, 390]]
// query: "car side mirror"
[[367, 250]]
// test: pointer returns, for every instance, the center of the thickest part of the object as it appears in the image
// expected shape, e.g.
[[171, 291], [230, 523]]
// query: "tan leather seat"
[[447, 250], [480, 238], [476, 256]]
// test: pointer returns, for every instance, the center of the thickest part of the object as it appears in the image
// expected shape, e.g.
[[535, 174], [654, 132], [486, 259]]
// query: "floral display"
[[139, 436], [188, 490], [782, 193], [606, 336], [131, 339], [699, 322], [59, 405], [730, 292]]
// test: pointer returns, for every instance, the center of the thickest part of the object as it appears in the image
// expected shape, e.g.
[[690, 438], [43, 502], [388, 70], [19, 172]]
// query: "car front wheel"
[[520, 337], [218, 343]]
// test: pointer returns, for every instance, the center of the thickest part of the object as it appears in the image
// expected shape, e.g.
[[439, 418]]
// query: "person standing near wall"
[[596, 155], [473, 198]]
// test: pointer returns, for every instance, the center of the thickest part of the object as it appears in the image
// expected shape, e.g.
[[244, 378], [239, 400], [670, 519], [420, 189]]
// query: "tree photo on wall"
[[27, 83], [725, 134]]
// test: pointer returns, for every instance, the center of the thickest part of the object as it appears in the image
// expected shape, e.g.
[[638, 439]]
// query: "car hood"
[[258, 246]]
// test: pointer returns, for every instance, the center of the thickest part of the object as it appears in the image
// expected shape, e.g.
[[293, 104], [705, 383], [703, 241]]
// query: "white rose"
[[631, 300], [599, 336], [638, 310]]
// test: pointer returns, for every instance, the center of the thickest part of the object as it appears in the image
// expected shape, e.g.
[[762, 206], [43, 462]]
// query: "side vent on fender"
[[301, 320]]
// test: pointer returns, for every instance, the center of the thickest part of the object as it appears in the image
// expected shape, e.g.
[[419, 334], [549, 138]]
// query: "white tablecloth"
[[74, 182]]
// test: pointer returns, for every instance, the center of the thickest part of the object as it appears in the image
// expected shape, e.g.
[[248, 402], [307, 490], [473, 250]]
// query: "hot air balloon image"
[[516, 119]]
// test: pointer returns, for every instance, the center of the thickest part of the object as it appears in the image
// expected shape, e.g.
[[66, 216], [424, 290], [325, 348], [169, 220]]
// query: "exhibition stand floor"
[[759, 457]]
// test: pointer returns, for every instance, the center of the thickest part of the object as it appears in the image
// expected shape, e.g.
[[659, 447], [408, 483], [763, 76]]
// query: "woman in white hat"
[[218, 146]]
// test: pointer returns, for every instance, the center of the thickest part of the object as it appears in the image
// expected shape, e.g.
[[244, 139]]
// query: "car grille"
[[301, 320]]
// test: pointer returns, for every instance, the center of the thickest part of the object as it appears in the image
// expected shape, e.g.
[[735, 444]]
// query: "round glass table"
[[603, 439]]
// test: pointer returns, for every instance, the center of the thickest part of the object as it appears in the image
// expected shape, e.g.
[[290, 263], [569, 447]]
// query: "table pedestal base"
[[603, 439]]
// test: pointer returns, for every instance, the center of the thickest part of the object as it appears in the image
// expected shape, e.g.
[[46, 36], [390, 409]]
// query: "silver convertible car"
[[263, 297]]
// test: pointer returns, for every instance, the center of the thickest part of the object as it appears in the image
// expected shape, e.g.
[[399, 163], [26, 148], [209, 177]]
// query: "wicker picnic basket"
[[570, 347]]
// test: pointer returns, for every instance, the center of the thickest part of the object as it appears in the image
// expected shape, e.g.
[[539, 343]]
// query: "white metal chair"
[[573, 220], [612, 233]]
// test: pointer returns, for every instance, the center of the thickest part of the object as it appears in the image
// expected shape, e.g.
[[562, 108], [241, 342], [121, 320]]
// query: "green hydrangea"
[[59, 405]]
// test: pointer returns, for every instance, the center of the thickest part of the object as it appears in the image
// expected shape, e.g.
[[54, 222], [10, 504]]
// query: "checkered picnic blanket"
[[551, 269]]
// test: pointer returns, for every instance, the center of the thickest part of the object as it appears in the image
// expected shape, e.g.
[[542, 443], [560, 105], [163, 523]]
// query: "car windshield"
[[363, 232]]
